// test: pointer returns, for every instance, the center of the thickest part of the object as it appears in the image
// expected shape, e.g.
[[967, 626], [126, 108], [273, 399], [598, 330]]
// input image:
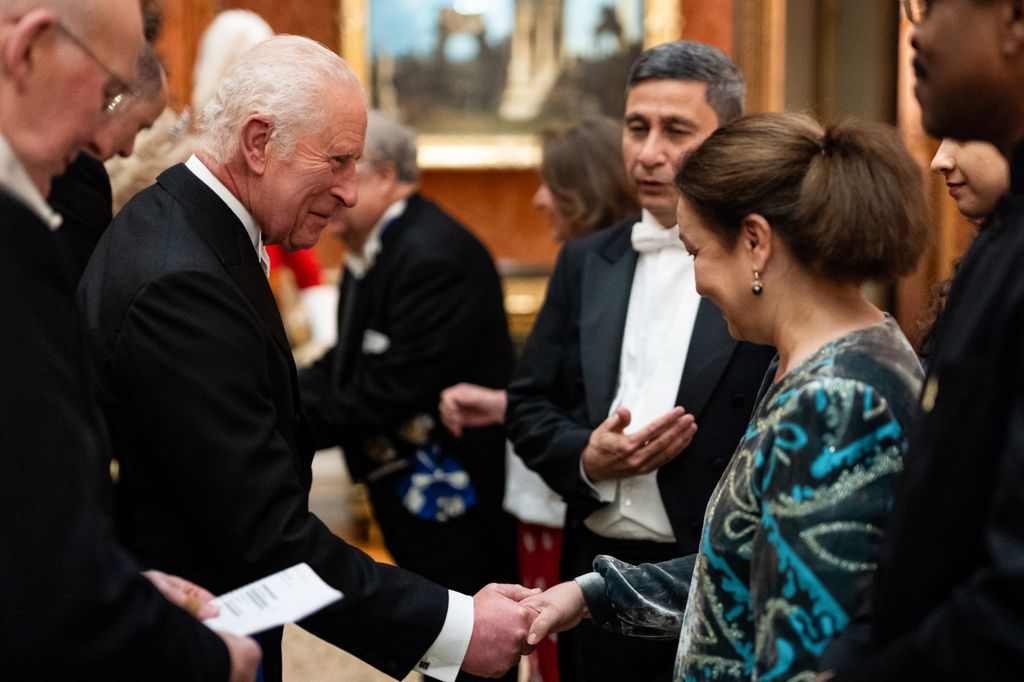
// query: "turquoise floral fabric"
[[793, 530]]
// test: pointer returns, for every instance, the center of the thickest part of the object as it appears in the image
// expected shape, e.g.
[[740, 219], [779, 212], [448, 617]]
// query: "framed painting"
[[477, 79]]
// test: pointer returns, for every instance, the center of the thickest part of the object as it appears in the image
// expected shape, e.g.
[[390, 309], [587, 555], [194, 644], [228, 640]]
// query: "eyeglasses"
[[117, 90], [916, 10]]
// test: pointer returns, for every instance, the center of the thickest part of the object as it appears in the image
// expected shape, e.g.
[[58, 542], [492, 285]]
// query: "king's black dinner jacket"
[[199, 388]]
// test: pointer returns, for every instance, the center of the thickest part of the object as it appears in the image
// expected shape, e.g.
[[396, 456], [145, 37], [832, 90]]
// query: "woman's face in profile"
[[544, 200], [722, 272], [976, 175]]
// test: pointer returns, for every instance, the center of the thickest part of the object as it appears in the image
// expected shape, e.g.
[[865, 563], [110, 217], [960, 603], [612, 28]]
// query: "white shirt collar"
[[206, 176], [15, 180], [360, 263]]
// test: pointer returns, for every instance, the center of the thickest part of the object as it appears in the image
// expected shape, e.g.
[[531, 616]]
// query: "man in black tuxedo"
[[622, 340], [421, 309], [949, 597], [74, 604], [82, 194], [200, 390]]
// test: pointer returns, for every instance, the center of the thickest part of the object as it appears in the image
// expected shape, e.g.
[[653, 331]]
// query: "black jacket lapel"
[[220, 228], [606, 284], [711, 346]]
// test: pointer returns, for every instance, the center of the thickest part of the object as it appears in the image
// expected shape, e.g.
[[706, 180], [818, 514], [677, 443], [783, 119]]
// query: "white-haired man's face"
[[297, 195], [63, 77]]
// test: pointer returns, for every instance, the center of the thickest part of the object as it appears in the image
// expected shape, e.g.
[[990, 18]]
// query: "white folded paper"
[[281, 598]]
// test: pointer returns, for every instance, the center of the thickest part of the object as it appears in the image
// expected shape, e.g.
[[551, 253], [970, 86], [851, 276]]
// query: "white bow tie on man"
[[650, 236]]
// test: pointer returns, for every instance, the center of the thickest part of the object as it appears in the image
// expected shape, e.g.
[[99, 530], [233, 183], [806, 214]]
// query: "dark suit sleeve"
[[215, 433], [546, 411], [982, 620], [74, 605], [433, 313]]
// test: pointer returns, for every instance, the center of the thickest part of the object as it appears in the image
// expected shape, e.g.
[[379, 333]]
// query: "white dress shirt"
[[659, 322], [360, 263], [207, 177], [444, 657], [15, 181]]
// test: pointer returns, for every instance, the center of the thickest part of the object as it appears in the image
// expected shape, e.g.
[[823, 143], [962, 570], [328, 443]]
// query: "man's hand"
[[560, 608], [183, 594], [500, 625], [611, 454], [470, 406], [245, 657]]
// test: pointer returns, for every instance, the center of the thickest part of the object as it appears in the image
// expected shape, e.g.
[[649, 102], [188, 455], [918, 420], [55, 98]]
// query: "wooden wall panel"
[[495, 205], [184, 22], [709, 21], [317, 19]]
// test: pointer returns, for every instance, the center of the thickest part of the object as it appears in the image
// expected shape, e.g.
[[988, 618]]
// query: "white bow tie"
[[647, 237]]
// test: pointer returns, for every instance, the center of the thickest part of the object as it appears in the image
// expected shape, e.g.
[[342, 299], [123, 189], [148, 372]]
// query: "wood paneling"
[[495, 205], [709, 21]]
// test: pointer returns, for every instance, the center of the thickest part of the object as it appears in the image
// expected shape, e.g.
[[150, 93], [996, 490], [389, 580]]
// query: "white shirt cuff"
[[444, 657], [604, 491]]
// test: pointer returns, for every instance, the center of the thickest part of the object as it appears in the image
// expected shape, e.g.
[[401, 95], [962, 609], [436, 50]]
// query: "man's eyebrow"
[[678, 120]]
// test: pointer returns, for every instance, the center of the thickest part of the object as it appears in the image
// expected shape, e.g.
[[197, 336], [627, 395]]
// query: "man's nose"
[[345, 188], [653, 152], [101, 143]]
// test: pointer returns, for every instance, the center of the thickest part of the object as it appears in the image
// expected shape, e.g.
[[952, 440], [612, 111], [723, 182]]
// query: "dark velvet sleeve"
[[648, 600]]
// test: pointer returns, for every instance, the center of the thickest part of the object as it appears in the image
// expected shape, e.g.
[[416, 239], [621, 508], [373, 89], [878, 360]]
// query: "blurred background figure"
[[421, 308], [976, 175], [584, 187]]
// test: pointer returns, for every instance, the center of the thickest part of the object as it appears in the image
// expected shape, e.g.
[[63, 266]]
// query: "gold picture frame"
[[662, 22]]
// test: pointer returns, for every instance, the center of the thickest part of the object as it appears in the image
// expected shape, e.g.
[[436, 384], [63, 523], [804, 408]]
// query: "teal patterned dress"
[[793, 530]]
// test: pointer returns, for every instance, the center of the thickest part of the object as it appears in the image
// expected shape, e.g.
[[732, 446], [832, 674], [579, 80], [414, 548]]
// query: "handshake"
[[509, 621]]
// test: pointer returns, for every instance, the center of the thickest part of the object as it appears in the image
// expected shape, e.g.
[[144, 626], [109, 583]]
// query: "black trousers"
[[590, 654], [463, 555]]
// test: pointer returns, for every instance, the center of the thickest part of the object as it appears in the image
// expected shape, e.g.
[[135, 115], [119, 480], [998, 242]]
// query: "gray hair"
[[285, 79], [389, 140], [688, 60]]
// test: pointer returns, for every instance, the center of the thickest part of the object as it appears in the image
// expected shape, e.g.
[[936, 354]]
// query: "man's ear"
[[756, 239], [256, 134], [17, 52], [388, 171]]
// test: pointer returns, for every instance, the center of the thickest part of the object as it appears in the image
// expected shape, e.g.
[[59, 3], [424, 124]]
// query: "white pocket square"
[[375, 343]]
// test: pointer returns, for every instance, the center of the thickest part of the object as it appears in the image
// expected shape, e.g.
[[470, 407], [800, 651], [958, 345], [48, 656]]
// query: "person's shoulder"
[[426, 231], [612, 235]]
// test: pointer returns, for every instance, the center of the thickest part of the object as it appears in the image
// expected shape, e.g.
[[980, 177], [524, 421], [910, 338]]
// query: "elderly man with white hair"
[[199, 385], [75, 606]]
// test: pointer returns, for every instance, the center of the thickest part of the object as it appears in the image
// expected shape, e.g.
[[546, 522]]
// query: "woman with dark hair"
[[785, 220], [584, 187]]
